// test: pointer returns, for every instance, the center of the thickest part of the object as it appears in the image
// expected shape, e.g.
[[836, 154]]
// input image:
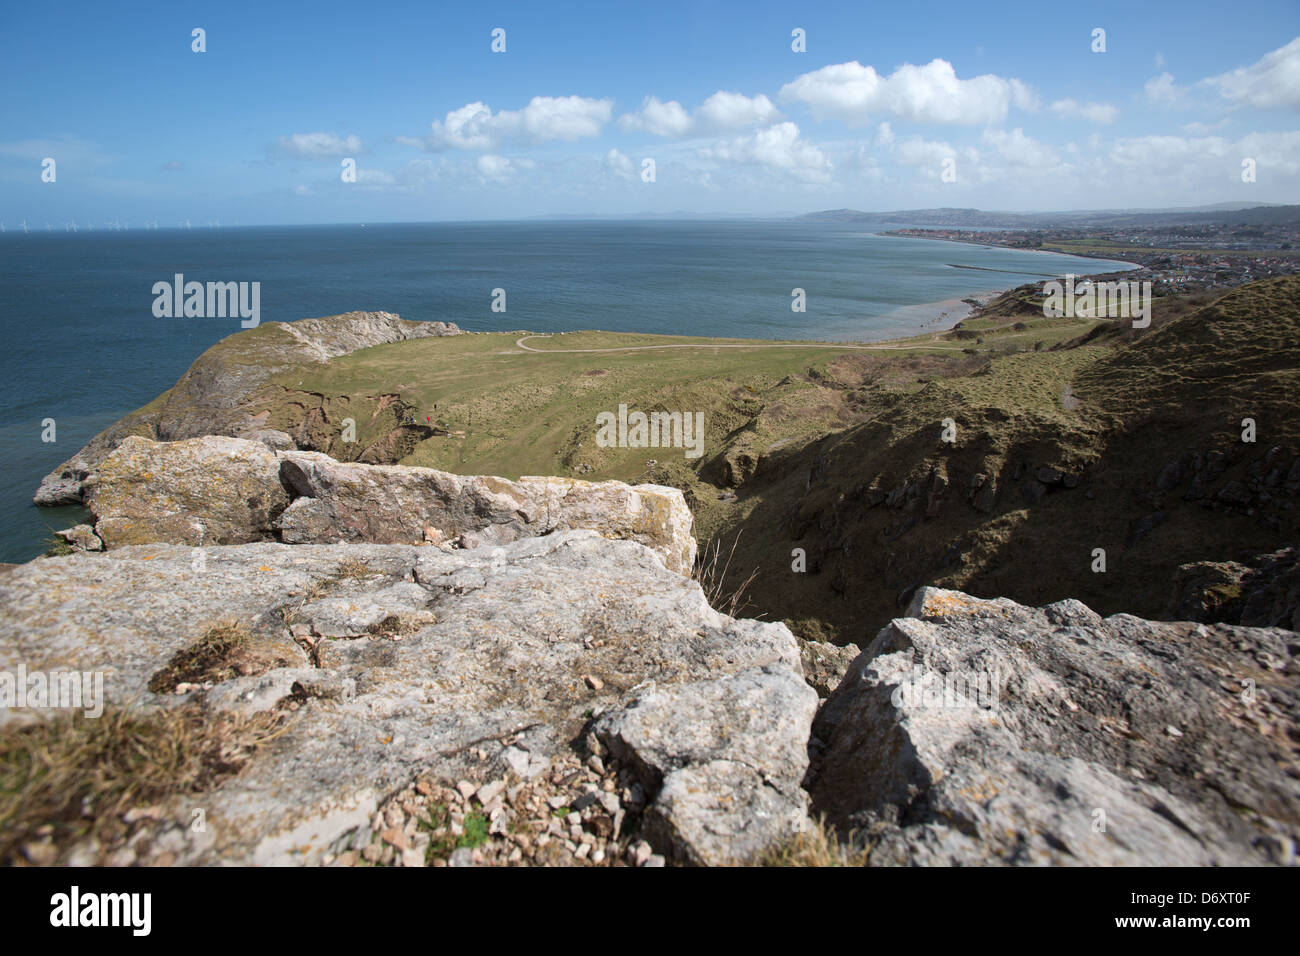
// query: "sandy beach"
[[938, 316]]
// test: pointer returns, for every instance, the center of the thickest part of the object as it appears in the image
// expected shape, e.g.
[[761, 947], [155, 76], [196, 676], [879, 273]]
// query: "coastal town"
[[1173, 259]]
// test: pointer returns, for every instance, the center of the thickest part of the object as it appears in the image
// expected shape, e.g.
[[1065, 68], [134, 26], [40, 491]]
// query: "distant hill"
[[1227, 214]]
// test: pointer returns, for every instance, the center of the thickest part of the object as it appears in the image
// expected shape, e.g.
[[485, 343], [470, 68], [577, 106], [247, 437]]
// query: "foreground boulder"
[[344, 501], [719, 755], [978, 732], [210, 490], [478, 668], [215, 490]]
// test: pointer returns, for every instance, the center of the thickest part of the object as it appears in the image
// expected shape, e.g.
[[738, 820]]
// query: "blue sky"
[[891, 106]]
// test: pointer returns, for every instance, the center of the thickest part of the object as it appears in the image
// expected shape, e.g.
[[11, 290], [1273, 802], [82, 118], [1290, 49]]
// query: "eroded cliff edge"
[[225, 390]]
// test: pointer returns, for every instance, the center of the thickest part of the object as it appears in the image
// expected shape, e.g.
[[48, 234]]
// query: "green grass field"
[[513, 412]]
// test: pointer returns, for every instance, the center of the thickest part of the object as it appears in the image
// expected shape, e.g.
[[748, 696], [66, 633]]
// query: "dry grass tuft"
[[225, 651], [816, 846], [72, 776], [712, 579], [353, 569]]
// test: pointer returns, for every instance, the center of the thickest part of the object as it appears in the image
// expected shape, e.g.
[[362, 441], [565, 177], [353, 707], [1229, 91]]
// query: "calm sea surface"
[[81, 345]]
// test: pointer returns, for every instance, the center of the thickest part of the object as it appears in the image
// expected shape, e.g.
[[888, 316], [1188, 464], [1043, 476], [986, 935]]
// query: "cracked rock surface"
[[395, 661], [978, 732]]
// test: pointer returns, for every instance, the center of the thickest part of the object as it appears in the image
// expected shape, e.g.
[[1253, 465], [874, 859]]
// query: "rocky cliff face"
[[1262, 593], [222, 392]]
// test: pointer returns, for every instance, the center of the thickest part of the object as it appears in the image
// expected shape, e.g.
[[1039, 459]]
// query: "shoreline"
[[958, 309], [995, 245]]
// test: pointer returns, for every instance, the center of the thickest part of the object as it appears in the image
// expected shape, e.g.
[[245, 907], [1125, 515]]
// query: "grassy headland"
[[1072, 435]]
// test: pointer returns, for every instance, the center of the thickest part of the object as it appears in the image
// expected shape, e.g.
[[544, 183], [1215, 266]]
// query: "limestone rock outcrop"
[[1264, 592], [394, 660], [725, 759], [215, 490], [983, 732], [209, 490]]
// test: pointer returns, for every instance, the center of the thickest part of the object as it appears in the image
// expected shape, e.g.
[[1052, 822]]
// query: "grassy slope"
[[509, 412], [528, 413], [1145, 401]]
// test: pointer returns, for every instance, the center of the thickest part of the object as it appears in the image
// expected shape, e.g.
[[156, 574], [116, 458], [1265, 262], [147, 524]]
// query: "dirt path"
[[757, 345]]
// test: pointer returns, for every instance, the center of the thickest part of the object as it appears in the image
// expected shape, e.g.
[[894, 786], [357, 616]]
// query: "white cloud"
[[777, 146], [500, 169], [861, 166], [1272, 81], [465, 128], [722, 111], [1278, 154], [884, 135], [544, 119], [1017, 149], [1162, 89], [661, 119], [618, 164], [1023, 97], [1101, 113], [1184, 164], [916, 151], [319, 145], [493, 167], [725, 110], [1173, 160], [924, 94]]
